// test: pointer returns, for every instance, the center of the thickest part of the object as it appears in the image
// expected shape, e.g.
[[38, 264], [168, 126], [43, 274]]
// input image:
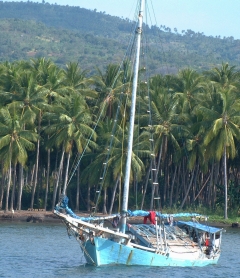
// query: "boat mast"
[[132, 117]]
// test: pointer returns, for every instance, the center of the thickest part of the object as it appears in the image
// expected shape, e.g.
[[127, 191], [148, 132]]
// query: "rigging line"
[[109, 149], [123, 122], [161, 43], [88, 141], [84, 249], [114, 127], [111, 143], [80, 156], [144, 66], [180, 36], [154, 177], [151, 139], [139, 109], [137, 152]]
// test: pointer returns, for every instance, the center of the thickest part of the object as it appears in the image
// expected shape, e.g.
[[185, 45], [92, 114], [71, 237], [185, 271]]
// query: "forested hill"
[[64, 33]]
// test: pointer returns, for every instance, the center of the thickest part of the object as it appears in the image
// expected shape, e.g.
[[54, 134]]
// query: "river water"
[[45, 250]]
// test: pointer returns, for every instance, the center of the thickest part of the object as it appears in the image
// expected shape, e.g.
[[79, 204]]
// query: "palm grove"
[[50, 116]]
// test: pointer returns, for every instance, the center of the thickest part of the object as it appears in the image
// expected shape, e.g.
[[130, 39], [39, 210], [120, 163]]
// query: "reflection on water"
[[45, 250]]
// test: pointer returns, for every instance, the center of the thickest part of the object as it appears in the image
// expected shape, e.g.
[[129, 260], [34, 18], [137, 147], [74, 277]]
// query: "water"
[[44, 250]]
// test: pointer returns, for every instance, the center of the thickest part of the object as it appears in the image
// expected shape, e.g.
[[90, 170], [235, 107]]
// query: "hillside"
[[63, 33]]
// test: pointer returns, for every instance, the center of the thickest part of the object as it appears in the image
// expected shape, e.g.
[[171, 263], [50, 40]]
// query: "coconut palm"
[[49, 79], [70, 127], [224, 76], [113, 155], [9, 82], [74, 76], [32, 101], [15, 141], [187, 87], [224, 130], [41, 67], [164, 124], [109, 86]]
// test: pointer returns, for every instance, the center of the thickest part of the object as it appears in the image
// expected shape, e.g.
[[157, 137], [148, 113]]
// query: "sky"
[[212, 17]]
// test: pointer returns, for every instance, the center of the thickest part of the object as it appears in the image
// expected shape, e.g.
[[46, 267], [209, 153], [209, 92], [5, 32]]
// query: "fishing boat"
[[146, 238]]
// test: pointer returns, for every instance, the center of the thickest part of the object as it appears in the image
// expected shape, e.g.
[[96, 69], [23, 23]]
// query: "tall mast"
[[132, 117]]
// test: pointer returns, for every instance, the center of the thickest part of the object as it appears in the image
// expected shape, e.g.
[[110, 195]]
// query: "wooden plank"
[[94, 227]]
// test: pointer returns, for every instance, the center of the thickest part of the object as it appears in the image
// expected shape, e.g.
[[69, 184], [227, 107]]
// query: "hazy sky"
[[212, 17]]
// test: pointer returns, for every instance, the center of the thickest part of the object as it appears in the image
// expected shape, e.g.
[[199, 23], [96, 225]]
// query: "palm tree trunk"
[[190, 184], [145, 186], [196, 177], [216, 174], [114, 193], [88, 197], [32, 175], [36, 175], [104, 211], [2, 187], [20, 187], [57, 181], [78, 188], [47, 181], [13, 187], [225, 183], [66, 175], [172, 185], [176, 197], [8, 185], [59, 191], [210, 191]]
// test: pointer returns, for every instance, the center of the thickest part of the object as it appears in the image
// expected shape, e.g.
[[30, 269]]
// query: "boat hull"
[[101, 251]]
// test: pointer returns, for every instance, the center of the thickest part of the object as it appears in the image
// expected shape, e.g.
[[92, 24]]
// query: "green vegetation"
[[48, 113], [49, 109], [64, 33]]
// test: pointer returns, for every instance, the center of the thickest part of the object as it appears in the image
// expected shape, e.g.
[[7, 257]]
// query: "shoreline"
[[28, 216], [33, 216], [42, 216]]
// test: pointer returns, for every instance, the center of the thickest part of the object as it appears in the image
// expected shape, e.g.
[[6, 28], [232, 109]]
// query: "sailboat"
[[161, 240]]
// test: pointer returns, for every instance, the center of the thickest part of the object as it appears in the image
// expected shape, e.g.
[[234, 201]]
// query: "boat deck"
[[176, 242]]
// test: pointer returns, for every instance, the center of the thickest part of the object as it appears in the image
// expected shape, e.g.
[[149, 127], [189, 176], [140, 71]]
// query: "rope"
[[80, 156], [129, 53], [85, 251], [154, 177]]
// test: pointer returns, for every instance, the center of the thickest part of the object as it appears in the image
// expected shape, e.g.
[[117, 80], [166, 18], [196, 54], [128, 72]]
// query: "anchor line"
[[85, 251]]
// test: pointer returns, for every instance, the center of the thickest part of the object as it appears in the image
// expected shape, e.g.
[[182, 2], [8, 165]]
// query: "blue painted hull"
[[108, 252]]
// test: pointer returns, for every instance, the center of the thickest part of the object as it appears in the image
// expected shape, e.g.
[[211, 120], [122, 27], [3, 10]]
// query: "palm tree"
[[32, 100], [74, 77], [187, 87], [113, 155], [224, 76], [15, 141], [9, 82], [42, 67], [49, 85], [75, 81], [225, 81], [224, 130], [109, 86], [164, 125], [71, 127]]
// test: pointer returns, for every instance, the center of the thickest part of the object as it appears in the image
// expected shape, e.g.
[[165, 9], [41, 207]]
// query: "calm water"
[[45, 250]]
